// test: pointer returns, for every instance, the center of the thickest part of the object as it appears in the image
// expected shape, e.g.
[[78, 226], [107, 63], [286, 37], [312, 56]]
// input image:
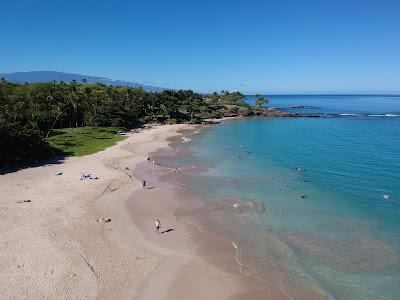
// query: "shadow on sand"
[[52, 161]]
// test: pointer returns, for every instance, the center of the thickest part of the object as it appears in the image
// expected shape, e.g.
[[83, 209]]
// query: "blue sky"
[[251, 46]]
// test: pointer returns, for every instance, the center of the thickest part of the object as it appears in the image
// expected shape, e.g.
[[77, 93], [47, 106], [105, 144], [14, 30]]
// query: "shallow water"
[[326, 225]]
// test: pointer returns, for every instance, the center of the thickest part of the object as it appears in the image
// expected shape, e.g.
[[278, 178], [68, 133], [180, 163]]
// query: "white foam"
[[384, 115], [348, 115], [237, 257], [235, 246], [186, 139]]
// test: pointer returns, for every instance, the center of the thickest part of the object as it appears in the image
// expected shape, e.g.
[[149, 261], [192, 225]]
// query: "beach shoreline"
[[66, 237], [197, 263]]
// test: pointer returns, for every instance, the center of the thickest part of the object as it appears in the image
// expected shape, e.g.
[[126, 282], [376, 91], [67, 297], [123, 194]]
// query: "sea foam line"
[[237, 259], [383, 115]]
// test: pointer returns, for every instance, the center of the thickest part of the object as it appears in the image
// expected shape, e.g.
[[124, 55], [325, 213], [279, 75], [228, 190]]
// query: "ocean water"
[[351, 105], [327, 225]]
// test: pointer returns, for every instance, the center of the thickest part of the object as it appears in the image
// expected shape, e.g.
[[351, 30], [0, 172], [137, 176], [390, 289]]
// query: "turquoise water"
[[328, 224]]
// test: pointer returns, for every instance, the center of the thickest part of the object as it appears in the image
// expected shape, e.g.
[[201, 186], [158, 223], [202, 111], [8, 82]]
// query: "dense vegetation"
[[31, 114]]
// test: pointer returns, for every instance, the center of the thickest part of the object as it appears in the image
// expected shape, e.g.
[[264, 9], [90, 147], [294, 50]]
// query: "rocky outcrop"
[[302, 106], [272, 112], [245, 112]]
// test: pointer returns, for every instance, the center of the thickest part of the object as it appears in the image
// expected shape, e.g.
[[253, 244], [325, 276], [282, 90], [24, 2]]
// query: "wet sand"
[[196, 264]]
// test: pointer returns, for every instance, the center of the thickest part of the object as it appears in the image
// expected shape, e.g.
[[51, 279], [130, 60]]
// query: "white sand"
[[54, 247], [58, 245]]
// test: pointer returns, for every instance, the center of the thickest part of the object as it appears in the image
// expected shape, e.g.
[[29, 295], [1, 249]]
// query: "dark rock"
[[302, 106], [245, 112]]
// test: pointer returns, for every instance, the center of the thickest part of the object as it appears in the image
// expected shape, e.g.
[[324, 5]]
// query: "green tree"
[[30, 112], [260, 100]]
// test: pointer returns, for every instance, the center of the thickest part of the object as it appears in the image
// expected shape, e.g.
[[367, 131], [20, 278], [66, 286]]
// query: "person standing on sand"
[[144, 183], [157, 224]]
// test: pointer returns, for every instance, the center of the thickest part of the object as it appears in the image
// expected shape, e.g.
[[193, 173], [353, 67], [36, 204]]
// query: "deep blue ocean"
[[327, 223]]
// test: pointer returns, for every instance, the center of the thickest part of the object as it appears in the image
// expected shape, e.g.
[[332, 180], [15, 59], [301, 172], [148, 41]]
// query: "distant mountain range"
[[46, 76]]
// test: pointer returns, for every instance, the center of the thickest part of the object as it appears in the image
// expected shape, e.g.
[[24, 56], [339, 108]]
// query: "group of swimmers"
[[300, 170]]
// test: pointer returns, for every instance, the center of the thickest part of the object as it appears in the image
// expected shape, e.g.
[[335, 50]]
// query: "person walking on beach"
[[157, 224], [144, 183]]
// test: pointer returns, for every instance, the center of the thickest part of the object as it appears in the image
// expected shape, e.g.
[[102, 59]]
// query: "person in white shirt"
[[157, 224]]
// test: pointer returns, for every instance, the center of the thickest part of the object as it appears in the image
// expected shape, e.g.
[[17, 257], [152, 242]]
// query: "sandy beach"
[[63, 237]]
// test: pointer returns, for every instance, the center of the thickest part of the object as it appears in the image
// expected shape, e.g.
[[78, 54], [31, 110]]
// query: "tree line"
[[29, 113]]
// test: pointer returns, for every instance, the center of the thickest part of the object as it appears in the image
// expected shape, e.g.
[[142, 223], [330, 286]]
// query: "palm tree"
[[57, 111], [260, 100]]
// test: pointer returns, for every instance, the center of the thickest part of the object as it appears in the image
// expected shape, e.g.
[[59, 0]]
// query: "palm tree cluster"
[[30, 112]]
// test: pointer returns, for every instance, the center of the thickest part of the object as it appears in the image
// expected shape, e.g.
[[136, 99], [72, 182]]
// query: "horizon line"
[[316, 93]]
